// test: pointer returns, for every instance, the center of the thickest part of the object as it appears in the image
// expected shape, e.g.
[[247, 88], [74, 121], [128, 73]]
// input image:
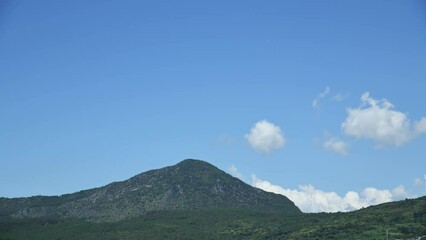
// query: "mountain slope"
[[190, 184], [195, 200], [397, 220], [393, 220]]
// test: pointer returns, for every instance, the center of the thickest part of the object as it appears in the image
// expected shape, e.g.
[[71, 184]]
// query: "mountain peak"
[[194, 163]]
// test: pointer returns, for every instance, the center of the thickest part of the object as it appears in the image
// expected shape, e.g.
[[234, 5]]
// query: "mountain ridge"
[[190, 184], [195, 200]]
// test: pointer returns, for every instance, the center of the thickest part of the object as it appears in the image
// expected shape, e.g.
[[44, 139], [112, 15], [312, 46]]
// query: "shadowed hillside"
[[190, 184], [195, 200]]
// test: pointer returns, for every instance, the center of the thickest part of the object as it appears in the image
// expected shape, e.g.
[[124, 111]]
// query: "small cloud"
[[420, 126], [399, 193], [234, 172], [310, 199], [335, 145], [418, 182], [320, 96], [339, 97], [265, 137], [377, 120]]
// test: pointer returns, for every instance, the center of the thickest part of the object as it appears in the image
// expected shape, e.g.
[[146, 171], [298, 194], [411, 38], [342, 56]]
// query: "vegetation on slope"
[[195, 200], [395, 220], [401, 220], [190, 184]]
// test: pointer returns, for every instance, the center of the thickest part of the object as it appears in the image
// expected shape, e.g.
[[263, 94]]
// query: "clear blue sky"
[[97, 91]]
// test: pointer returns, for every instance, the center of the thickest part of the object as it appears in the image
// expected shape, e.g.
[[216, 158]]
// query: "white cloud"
[[335, 145], [310, 199], [377, 120], [418, 182], [234, 172], [339, 97], [265, 137], [399, 192], [320, 96], [420, 126]]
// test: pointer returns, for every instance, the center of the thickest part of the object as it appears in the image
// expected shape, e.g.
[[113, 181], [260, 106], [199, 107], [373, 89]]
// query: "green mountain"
[[190, 184], [195, 200]]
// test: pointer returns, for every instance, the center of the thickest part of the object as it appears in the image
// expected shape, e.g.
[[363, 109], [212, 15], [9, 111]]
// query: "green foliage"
[[190, 224], [402, 219], [195, 200], [370, 223], [191, 184]]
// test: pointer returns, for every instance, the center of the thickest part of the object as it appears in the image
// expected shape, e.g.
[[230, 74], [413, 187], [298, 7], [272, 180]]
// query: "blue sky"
[[97, 91]]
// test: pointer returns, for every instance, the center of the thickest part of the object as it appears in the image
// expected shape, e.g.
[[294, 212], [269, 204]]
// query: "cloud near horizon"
[[310, 199], [235, 173], [420, 182], [265, 137], [377, 120]]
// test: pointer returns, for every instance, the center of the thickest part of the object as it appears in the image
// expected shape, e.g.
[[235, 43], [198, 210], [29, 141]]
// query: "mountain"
[[190, 184], [195, 200]]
